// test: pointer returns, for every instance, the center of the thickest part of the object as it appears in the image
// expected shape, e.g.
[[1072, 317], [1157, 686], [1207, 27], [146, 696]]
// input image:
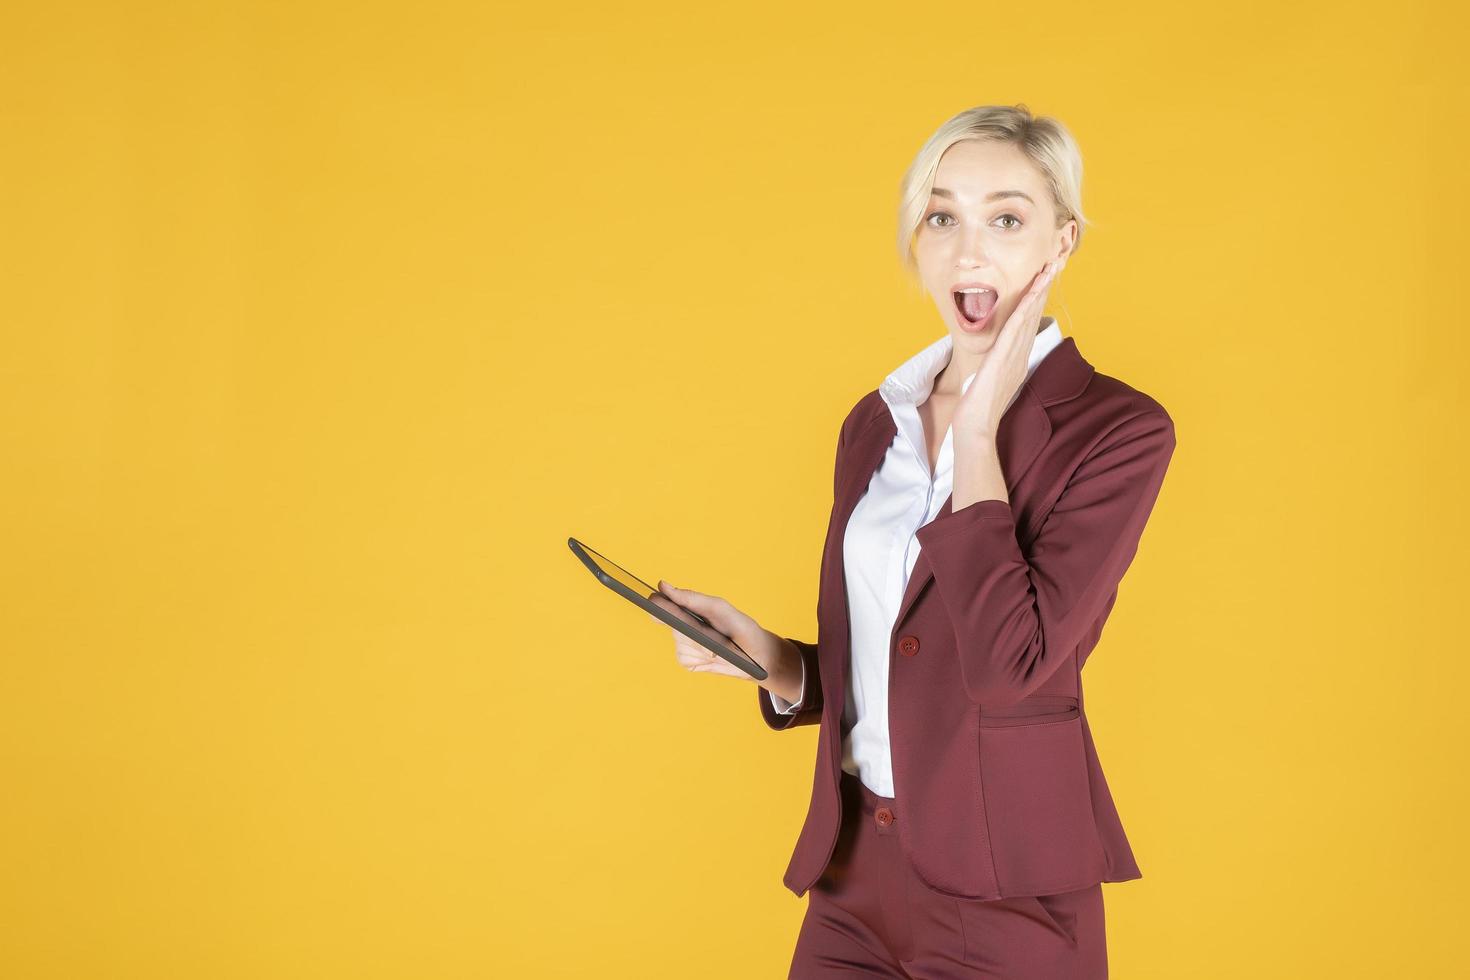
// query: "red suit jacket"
[[998, 784]]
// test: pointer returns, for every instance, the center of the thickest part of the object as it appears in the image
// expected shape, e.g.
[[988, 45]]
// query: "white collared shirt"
[[880, 546]]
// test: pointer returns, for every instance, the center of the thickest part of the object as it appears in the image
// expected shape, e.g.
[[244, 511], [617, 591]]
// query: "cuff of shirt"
[[784, 707]]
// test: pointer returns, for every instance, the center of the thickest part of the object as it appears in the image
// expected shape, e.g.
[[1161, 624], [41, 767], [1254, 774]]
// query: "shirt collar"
[[911, 383]]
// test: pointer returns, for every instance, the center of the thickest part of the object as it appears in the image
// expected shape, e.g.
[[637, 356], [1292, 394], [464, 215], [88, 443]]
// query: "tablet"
[[638, 592]]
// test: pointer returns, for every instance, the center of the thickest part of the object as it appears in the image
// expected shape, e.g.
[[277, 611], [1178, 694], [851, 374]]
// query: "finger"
[[690, 652], [697, 601], [678, 609], [703, 663], [689, 660], [700, 602], [1051, 278], [722, 668], [1038, 301], [1026, 313], [1036, 297], [720, 613], [665, 605], [1043, 279], [1035, 282]]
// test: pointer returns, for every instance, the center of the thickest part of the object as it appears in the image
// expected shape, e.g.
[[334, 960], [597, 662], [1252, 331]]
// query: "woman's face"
[[989, 222]]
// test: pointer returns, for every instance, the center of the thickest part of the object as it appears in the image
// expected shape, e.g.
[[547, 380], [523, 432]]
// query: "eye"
[[929, 220]]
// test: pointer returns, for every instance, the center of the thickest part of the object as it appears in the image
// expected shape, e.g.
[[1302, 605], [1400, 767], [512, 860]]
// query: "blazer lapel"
[[1022, 432], [1019, 439], [861, 460]]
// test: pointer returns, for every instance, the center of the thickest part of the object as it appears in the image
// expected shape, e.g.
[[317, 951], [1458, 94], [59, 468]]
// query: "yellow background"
[[325, 325]]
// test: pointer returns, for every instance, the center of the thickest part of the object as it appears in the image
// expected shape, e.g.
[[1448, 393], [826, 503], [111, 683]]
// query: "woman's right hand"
[[777, 655]]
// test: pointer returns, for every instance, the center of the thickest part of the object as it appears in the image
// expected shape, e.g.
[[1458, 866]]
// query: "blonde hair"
[[1044, 140]]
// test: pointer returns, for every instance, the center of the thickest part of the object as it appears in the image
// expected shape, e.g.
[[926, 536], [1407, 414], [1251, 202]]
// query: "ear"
[[1069, 240]]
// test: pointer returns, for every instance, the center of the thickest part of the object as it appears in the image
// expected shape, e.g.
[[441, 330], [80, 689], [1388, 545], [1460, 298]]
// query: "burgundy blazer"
[[994, 769]]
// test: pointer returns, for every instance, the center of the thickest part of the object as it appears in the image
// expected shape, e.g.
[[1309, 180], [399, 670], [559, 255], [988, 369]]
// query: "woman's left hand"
[[1004, 369]]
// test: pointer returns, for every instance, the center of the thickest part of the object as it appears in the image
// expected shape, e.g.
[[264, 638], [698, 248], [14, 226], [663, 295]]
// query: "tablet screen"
[[610, 567], [688, 622]]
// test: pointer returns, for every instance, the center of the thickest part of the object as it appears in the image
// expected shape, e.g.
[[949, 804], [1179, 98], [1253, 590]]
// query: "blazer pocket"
[[1038, 804], [1035, 710]]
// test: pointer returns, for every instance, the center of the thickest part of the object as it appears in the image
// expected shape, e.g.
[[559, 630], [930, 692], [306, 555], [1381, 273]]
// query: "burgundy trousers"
[[869, 915]]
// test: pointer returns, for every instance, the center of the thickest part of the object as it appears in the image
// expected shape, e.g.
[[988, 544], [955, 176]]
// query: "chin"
[[979, 344]]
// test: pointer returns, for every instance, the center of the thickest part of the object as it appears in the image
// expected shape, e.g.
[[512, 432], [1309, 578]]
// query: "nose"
[[971, 248]]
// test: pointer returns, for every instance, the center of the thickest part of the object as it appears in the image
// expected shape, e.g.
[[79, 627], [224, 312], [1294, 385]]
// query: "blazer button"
[[884, 816], [908, 646]]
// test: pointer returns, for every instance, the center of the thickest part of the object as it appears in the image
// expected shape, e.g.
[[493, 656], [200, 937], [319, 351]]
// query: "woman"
[[988, 497]]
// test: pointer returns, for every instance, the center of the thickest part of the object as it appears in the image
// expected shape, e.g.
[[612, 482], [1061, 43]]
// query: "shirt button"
[[908, 646], [884, 816]]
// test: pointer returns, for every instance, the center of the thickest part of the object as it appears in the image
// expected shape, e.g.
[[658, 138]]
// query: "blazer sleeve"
[[809, 708], [1018, 617]]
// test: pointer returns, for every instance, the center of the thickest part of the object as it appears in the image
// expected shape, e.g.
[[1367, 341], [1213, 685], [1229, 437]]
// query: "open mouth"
[[974, 304]]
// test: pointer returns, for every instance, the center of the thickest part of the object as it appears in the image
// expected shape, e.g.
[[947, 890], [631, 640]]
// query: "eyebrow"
[[992, 196]]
